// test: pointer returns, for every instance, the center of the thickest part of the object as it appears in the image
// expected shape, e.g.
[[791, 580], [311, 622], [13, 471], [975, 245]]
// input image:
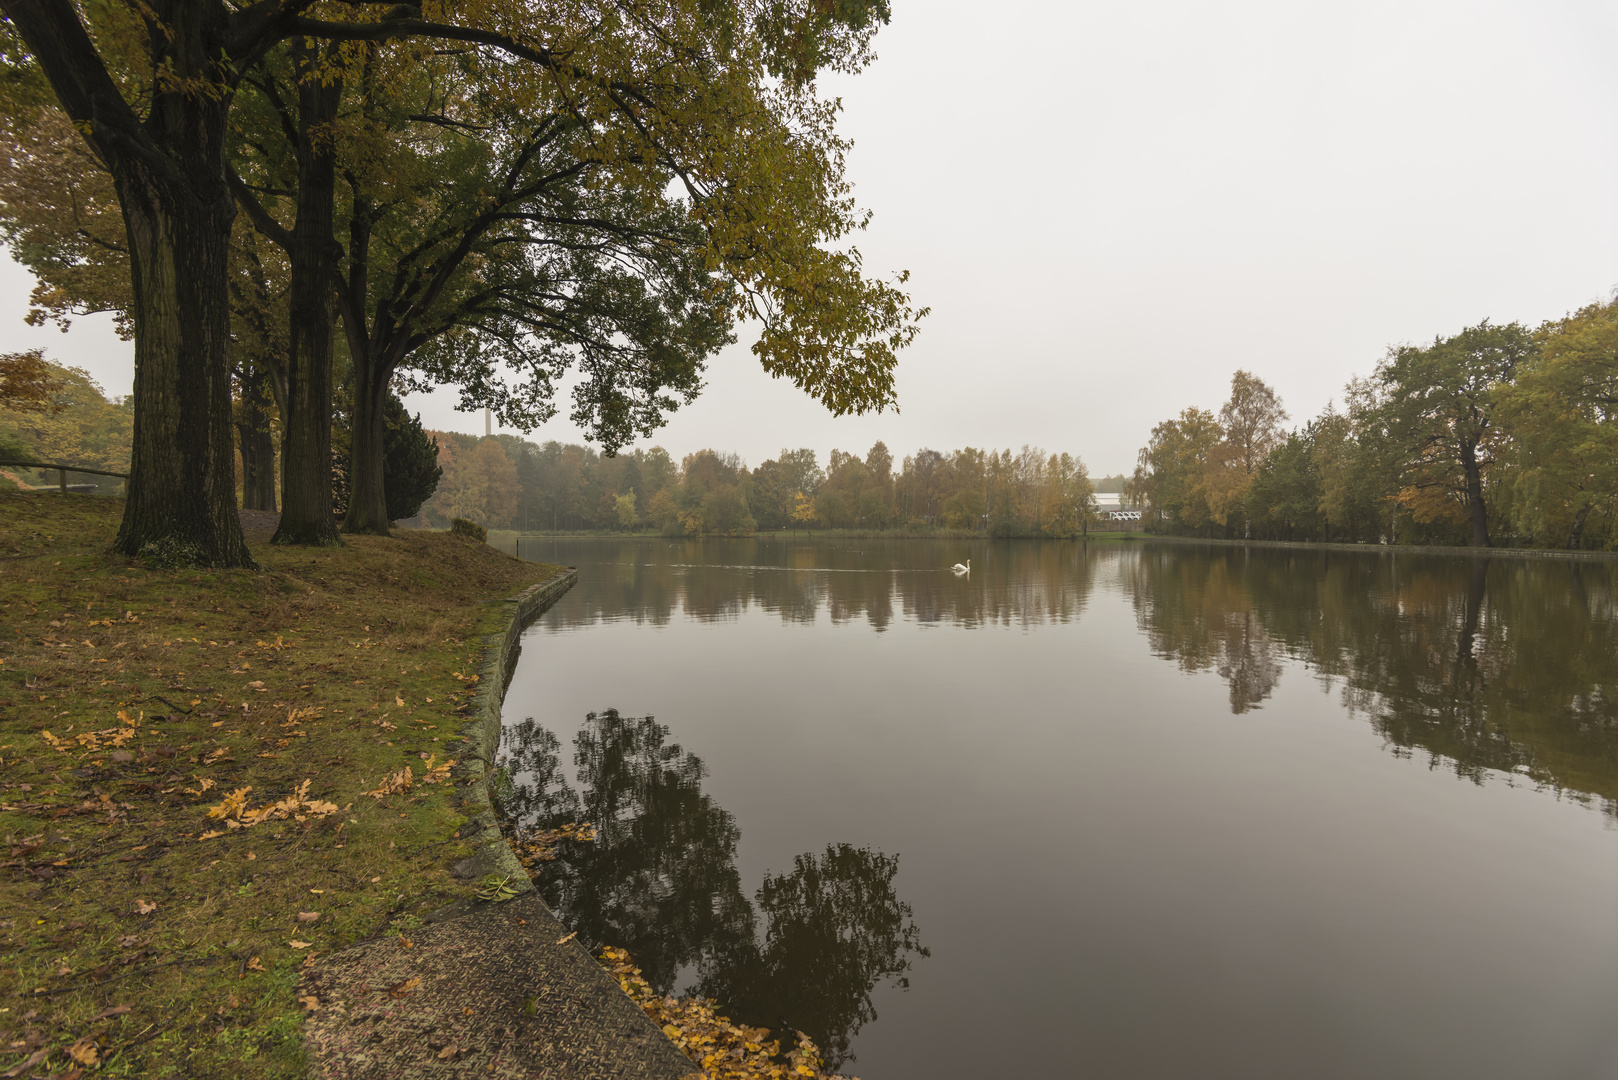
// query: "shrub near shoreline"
[[141, 936]]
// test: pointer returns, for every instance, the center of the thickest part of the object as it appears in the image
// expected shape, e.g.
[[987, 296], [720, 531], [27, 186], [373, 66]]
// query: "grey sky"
[[1110, 207]]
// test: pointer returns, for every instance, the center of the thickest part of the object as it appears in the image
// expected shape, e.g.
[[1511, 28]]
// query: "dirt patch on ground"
[[499, 992]]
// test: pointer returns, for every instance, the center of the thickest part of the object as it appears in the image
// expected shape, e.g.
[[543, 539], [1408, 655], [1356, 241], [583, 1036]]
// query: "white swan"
[[959, 569]]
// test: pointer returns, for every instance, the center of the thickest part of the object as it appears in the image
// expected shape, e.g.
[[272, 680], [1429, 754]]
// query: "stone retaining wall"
[[481, 733]]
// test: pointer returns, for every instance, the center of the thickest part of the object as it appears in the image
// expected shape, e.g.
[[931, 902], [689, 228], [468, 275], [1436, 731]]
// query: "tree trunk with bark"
[[1474, 495], [1576, 536], [181, 507], [257, 445], [306, 503], [373, 370], [367, 499], [168, 168]]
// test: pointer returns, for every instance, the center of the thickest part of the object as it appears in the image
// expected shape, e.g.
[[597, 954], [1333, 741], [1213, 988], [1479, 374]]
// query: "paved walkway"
[[491, 993]]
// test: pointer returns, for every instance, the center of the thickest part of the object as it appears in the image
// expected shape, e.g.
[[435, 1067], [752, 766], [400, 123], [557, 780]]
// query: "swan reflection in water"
[[661, 881]]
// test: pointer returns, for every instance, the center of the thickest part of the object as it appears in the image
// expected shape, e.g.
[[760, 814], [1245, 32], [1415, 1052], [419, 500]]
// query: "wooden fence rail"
[[62, 470]]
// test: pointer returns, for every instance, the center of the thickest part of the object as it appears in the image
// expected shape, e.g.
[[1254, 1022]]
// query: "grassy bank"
[[139, 935]]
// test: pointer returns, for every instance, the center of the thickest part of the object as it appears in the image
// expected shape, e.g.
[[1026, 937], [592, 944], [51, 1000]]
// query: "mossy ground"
[[130, 943]]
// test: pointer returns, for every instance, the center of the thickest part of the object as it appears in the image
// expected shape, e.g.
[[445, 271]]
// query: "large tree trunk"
[[257, 446], [169, 171], [306, 504], [181, 507], [1474, 495], [373, 370], [367, 500]]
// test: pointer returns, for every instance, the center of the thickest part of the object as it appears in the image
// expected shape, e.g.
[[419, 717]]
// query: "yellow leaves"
[[403, 780], [232, 810], [231, 807], [255, 964], [724, 1050], [85, 1052], [303, 715], [436, 774], [278, 644], [541, 846], [300, 944], [91, 741], [203, 785], [397, 784]]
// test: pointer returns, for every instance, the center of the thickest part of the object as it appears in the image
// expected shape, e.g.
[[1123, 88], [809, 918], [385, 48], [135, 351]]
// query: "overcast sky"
[[1111, 207]]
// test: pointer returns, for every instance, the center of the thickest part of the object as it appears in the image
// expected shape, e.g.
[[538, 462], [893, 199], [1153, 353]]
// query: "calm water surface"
[[1144, 810]]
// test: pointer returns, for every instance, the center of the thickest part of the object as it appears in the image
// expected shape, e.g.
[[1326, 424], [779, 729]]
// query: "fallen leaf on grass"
[[84, 1052], [25, 1066], [115, 1010], [300, 944], [144, 907], [255, 965], [210, 834], [310, 1003], [233, 811], [448, 1052], [308, 916], [400, 989]]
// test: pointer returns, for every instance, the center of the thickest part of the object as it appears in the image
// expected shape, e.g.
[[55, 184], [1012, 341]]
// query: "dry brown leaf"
[[24, 1066], [255, 964], [144, 907], [400, 989], [448, 1052], [308, 916], [567, 938], [300, 944], [311, 1003], [84, 1052]]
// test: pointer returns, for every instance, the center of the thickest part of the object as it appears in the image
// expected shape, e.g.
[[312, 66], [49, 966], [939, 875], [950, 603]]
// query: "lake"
[[1116, 810]]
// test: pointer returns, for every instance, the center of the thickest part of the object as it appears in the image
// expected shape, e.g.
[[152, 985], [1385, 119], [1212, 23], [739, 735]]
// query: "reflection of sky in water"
[[1190, 811]]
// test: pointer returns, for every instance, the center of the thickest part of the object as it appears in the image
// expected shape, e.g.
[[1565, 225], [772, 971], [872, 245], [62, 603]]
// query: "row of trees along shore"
[[480, 193], [505, 482], [1498, 434]]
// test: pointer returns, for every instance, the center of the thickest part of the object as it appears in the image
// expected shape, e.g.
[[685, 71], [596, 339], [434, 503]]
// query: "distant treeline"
[[1499, 434], [502, 481]]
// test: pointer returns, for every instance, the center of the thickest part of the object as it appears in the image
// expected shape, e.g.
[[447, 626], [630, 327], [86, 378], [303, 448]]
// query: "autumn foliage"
[[722, 1049]]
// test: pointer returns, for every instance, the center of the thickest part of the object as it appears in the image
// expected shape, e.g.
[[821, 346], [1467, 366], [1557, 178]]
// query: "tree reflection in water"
[[660, 880], [1488, 666]]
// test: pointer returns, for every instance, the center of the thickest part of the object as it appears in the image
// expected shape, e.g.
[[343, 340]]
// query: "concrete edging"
[[481, 733]]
